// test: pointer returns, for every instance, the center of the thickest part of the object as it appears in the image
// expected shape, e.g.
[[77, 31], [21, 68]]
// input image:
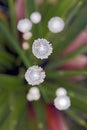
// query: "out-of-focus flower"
[[25, 45], [33, 94], [56, 24], [35, 17], [61, 92], [62, 102], [35, 75], [27, 35], [42, 48], [24, 25]]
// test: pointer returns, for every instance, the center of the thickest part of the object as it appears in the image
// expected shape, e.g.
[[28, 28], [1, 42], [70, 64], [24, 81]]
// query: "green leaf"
[[6, 60], [64, 73], [15, 44], [24, 121], [30, 7], [13, 17], [72, 113], [40, 114], [58, 62], [77, 26], [12, 83], [17, 108]]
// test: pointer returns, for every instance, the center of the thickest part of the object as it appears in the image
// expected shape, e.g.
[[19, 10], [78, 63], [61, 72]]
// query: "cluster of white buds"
[[33, 94], [62, 101], [25, 25]]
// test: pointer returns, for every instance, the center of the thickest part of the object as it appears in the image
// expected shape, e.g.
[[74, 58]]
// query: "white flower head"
[[35, 75], [33, 94], [24, 25], [61, 92], [42, 48], [56, 24], [35, 17], [27, 35], [62, 102]]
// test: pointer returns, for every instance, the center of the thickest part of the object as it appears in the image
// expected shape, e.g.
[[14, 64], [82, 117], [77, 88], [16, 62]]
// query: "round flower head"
[[33, 94], [42, 48], [35, 75], [62, 102], [56, 24], [24, 25], [61, 92], [35, 17]]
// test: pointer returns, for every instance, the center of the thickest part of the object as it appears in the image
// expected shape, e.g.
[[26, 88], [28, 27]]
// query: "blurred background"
[[66, 67]]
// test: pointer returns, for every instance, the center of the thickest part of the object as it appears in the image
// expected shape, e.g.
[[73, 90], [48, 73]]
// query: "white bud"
[[29, 97], [24, 25], [35, 17], [42, 48], [33, 94], [27, 35], [35, 75], [25, 45], [61, 92], [56, 24], [62, 102]]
